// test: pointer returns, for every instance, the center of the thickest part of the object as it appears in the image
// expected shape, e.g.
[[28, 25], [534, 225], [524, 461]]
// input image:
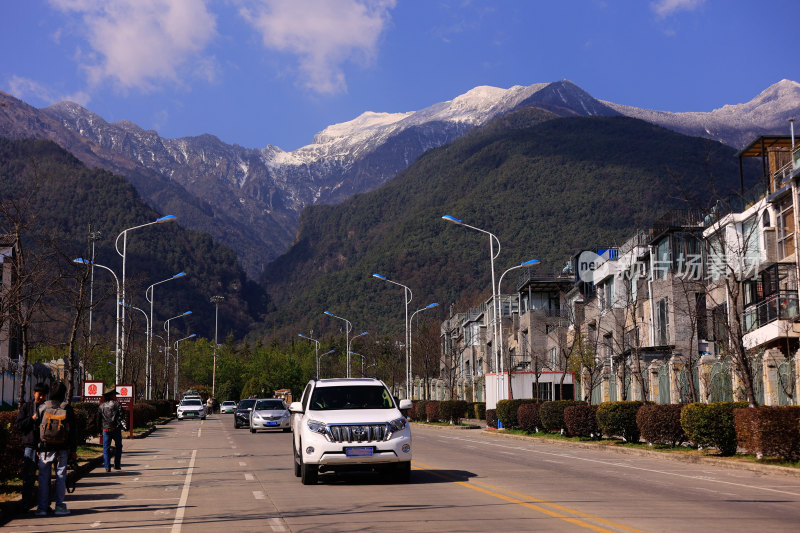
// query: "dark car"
[[241, 416]]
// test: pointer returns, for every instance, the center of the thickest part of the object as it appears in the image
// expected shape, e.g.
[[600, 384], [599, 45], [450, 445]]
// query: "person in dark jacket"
[[110, 421], [28, 427], [56, 453]]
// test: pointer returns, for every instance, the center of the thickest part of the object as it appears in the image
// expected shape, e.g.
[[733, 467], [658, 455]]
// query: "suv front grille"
[[358, 433]]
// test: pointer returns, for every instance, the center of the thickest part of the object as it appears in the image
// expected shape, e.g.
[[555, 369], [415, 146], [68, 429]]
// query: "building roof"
[[761, 144]]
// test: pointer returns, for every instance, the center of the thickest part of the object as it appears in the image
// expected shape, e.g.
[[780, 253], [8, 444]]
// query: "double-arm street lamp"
[[123, 254], [316, 348], [216, 300], [407, 299], [116, 279], [348, 329], [500, 311], [175, 389], [149, 294], [166, 352]]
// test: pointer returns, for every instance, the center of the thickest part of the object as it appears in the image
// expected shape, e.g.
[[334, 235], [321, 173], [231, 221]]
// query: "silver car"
[[191, 409], [227, 407], [270, 414]]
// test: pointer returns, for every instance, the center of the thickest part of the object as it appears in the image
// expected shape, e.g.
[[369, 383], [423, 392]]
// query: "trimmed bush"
[[507, 411], [419, 410], [12, 450], [711, 425], [90, 409], [491, 418], [771, 431], [452, 410], [528, 417], [581, 421], [164, 408], [618, 419], [552, 414], [661, 424], [142, 414], [479, 410], [432, 411]]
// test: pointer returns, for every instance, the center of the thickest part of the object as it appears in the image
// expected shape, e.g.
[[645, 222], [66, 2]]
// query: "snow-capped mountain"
[[251, 198]]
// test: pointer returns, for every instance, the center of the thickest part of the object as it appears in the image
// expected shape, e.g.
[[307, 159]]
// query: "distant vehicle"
[[270, 414], [191, 409], [241, 416], [227, 407]]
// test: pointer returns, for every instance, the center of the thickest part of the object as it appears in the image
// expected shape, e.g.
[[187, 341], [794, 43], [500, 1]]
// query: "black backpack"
[[54, 427]]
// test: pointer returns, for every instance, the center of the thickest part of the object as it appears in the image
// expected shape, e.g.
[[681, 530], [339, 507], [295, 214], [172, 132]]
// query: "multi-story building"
[[8, 337]]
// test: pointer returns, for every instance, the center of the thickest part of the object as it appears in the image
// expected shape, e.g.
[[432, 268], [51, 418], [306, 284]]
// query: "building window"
[[662, 322], [662, 262], [606, 292], [553, 356], [785, 228]]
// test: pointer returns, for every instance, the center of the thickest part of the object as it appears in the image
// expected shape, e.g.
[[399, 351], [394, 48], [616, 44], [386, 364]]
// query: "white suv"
[[349, 424]]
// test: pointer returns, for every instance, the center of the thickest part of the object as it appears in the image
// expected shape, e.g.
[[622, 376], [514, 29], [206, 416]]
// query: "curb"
[[679, 457]]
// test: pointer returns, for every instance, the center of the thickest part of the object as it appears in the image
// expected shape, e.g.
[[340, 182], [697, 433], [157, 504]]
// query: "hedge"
[[618, 419], [507, 412], [661, 424], [12, 450], [772, 431], [476, 410], [142, 414], [528, 416], [164, 408], [90, 410], [419, 410], [491, 418], [452, 410], [552, 414], [432, 411], [581, 420], [711, 424]]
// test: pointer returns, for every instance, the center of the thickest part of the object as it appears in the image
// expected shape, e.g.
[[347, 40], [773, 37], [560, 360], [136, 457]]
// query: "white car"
[[191, 409], [270, 414], [350, 424], [227, 407]]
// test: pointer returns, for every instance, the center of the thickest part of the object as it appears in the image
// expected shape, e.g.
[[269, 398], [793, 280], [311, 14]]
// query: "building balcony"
[[783, 305]]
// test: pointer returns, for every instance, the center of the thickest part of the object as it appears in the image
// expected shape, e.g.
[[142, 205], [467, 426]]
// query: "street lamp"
[[216, 300], [500, 305], [407, 298], [146, 320], [346, 337], [176, 361], [149, 294], [87, 262], [316, 348], [123, 254], [320, 357], [411, 321], [166, 352], [362, 362], [492, 257]]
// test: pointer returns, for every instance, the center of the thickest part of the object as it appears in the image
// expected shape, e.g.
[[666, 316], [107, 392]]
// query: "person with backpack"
[[111, 420], [28, 427], [57, 443]]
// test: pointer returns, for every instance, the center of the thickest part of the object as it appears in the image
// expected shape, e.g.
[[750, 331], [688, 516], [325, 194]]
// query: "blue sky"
[[259, 72]]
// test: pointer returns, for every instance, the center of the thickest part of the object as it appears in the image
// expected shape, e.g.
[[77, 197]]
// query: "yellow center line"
[[495, 491]]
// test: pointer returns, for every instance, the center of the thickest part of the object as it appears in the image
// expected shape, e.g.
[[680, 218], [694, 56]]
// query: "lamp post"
[[492, 257], [216, 300], [411, 321], [320, 357], [166, 352], [87, 262], [150, 295], [407, 297], [175, 389], [363, 359], [346, 337], [123, 254], [500, 304], [146, 321], [316, 349], [163, 350], [93, 236]]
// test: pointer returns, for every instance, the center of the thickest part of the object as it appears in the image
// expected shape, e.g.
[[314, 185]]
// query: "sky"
[[275, 72]]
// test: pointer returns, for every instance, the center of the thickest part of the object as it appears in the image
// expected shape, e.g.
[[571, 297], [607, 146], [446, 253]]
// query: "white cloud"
[[664, 8], [140, 43], [31, 90], [323, 34]]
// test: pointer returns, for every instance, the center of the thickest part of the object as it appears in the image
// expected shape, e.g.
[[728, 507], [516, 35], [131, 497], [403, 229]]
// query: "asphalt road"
[[198, 476]]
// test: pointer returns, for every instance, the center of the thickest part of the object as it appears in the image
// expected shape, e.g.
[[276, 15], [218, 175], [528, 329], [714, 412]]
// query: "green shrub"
[[452, 410], [91, 410], [771, 431], [552, 414], [528, 416], [507, 411], [711, 425], [491, 418], [164, 408], [12, 450], [419, 410], [479, 410], [142, 414], [581, 420], [661, 424], [432, 411], [618, 419], [82, 425]]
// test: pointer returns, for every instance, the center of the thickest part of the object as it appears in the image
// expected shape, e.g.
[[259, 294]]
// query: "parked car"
[[270, 414], [347, 424], [191, 409], [241, 416], [228, 406]]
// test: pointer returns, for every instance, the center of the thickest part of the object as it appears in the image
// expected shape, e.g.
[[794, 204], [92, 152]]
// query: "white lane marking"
[[96, 524], [568, 456], [259, 495], [199, 431], [242, 463], [248, 476], [176, 525], [276, 525]]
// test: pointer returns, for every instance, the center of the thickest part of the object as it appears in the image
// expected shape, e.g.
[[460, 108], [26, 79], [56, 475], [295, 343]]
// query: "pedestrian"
[[57, 444], [209, 405], [28, 427], [111, 420]]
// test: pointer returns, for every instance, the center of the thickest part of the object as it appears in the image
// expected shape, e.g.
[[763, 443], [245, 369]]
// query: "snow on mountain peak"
[[369, 120]]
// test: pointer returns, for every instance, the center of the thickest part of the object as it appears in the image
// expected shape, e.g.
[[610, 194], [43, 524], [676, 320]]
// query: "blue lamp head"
[[434, 304], [531, 262], [179, 275], [168, 218], [379, 277], [452, 219]]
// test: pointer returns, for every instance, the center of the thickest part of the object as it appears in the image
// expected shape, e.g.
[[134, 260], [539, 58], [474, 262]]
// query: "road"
[[198, 476]]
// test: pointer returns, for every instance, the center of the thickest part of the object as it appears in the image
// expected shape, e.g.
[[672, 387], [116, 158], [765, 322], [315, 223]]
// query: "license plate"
[[189, 415], [272, 423], [358, 452]]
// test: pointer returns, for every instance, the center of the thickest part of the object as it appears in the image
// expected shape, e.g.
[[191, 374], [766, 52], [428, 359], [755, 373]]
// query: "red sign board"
[[126, 398], [93, 391]]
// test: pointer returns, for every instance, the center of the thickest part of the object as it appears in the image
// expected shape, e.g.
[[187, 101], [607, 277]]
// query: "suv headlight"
[[319, 427], [398, 424]]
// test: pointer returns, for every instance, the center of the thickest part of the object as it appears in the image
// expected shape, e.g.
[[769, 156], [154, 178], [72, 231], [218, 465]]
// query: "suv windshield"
[[246, 404], [269, 405], [191, 402], [350, 397]]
